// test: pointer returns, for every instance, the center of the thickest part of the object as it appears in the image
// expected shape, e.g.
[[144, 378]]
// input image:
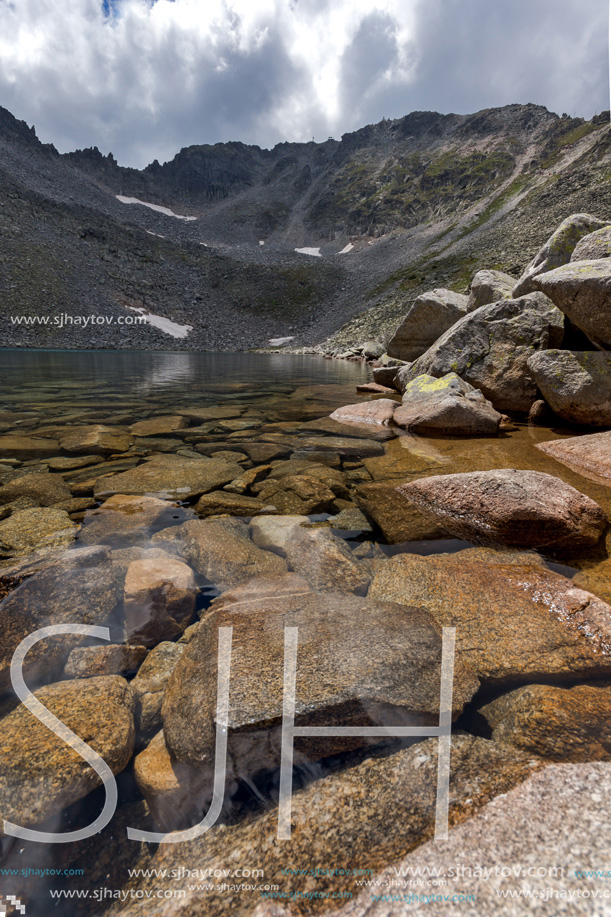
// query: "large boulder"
[[528, 509], [593, 247], [590, 454], [39, 773], [359, 663], [221, 550], [427, 318], [378, 810], [446, 406], [577, 386], [489, 286], [563, 724], [515, 622], [171, 477], [81, 586], [489, 348], [582, 290], [379, 411], [557, 250], [159, 599]]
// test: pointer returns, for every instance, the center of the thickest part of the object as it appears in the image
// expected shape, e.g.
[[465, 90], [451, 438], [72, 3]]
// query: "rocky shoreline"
[[459, 491]]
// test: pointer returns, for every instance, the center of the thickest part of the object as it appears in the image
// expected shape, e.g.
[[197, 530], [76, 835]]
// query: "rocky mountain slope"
[[381, 215]]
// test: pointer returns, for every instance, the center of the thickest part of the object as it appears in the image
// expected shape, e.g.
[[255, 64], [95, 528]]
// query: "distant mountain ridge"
[[422, 200]]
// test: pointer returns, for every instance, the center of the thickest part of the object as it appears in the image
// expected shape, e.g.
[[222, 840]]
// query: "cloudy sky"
[[143, 78]]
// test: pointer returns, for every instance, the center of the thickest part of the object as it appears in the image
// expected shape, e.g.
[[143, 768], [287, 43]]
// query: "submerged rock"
[[150, 683], [489, 349], [297, 494], [159, 599], [527, 509], [90, 661], [274, 532], [220, 502], [582, 290], [158, 426], [221, 550], [489, 286], [428, 317], [446, 406], [39, 773], [170, 477], [564, 724], [123, 520], [44, 488], [81, 586], [398, 522], [558, 249], [577, 386], [35, 529], [590, 454], [19, 446], [325, 561], [378, 810], [359, 662], [96, 440], [514, 622], [379, 412]]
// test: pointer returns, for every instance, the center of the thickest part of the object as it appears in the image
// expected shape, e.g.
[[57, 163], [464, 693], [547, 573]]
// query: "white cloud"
[[155, 76]]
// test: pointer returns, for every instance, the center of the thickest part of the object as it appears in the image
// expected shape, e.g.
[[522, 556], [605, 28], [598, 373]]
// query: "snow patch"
[[277, 342], [347, 248], [157, 207], [261, 241], [315, 252], [164, 324], [159, 236]]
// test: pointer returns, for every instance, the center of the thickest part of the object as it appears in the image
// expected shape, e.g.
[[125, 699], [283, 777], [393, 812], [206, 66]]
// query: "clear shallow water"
[[275, 393]]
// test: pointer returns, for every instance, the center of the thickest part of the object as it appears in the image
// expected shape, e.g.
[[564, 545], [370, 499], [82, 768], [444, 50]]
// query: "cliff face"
[[421, 200]]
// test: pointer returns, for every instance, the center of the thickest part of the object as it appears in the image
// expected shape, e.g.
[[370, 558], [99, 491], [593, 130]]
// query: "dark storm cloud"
[[143, 79]]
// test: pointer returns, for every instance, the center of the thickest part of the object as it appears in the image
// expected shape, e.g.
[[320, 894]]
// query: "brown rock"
[[272, 533], [590, 454], [96, 439], [39, 774], [90, 661], [125, 520], [398, 523], [563, 724], [325, 561], [159, 599], [378, 810], [36, 529], [220, 502], [527, 509], [46, 489], [514, 622], [297, 495], [359, 662], [22, 447], [378, 412], [150, 683], [158, 426], [375, 388], [596, 579], [80, 585], [172, 477], [221, 550]]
